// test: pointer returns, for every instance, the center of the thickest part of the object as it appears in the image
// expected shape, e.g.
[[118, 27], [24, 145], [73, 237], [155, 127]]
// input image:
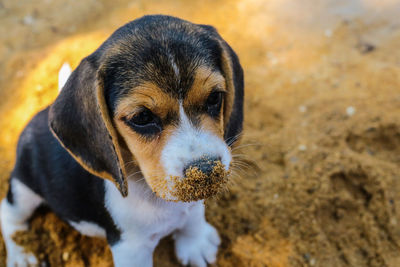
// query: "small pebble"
[[302, 109], [350, 111], [302, 147], [276, 196], [312, 262], [20, 73], [28, 20], [272, 58], [39, 87], [65, 256], [307, 256], [366, 48], [328, 33]]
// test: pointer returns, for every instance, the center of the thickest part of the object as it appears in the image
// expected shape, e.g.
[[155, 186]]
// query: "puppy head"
[[162, 92]]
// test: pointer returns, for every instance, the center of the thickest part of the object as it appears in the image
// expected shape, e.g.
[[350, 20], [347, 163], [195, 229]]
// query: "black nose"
[[204, 164]]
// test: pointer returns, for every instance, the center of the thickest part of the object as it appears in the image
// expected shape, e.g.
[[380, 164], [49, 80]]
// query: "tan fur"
[[111, 130], [230, 88], [149, 96], [146, 153], [212, 126], [204, 81]]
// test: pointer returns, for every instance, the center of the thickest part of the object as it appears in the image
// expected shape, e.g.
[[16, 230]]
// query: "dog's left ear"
[[233, 102], [80, 120]]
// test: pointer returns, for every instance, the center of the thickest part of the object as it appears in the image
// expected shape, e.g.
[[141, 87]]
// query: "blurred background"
[[322, 81]]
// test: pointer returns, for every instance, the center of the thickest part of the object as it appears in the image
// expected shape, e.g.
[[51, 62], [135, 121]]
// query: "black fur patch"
[[51, 172], [10, 197]]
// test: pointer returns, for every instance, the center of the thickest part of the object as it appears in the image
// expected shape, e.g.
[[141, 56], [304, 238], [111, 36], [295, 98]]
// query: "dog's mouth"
[[199, 183]]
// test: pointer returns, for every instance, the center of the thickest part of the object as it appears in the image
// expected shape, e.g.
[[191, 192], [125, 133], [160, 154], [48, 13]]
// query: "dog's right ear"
[[80, 120], [233, 73]]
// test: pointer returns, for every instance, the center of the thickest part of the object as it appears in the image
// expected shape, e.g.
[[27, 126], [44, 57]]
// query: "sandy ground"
[[322, 123]]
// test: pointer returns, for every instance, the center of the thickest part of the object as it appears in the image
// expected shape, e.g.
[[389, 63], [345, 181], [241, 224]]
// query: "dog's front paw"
[[17, 257], [197, 249]]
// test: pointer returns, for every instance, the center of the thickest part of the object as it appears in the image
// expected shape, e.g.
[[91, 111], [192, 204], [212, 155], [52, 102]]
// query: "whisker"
[[239, 155], [139, 180], [240, 162], [129, 162], [233, 139], [133, 174]]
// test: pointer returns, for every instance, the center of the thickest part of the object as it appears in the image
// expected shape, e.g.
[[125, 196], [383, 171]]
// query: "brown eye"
[[145, 122], [213, 103]]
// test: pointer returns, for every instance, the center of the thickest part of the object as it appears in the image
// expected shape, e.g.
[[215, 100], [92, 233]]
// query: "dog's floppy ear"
[[233, 108], [233, 73], [80, 120]]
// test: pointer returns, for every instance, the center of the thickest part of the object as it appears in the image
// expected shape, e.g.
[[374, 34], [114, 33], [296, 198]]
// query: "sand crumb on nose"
[[197, 185]]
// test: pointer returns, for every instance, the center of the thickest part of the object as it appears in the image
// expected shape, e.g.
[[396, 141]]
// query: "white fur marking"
[[89, 229], [14, 218], [186, 125], [197, 242], [197, 249], [143, 219], [189, 144], [63, 75], [174, 66]]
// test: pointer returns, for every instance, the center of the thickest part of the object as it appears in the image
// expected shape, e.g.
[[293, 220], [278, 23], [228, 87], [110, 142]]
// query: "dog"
[[161, 95]]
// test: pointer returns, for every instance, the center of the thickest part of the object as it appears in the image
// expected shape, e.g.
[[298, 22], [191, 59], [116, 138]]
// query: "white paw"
[[197, 249], [17, 257]]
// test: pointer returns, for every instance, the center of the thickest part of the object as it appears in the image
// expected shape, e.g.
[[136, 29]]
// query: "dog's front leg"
[[196, 243], [132, 252]]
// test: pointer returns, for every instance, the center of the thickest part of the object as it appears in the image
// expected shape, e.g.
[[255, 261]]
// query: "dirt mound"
[[55, 244]]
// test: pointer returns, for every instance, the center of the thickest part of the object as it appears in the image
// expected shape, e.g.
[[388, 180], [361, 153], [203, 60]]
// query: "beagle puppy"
[[159, 97]]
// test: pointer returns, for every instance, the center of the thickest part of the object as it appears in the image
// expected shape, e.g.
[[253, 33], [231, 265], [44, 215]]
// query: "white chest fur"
[[143, 217]]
